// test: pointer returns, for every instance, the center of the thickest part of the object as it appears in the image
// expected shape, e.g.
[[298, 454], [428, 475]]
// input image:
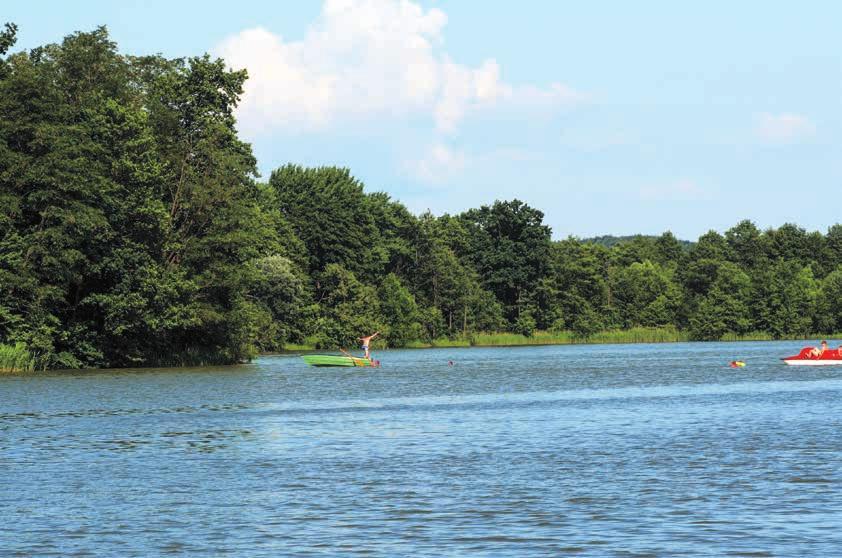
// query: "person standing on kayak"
[[366, 342]]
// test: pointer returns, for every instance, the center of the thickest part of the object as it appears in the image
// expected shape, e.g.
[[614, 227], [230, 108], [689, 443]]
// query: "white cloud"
[[364, 59], [680, 190], [438, 164], [784, 128]]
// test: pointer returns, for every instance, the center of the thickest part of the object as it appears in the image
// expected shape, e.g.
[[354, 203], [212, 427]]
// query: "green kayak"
[[332, 360]]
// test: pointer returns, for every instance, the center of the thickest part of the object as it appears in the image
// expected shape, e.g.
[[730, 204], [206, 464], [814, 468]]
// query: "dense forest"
[[135, 230]]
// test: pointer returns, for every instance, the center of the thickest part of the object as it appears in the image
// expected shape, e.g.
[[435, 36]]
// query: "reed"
[[295, 347], [193, 357], [16, 358], [441, 342], [666, 334], [514, 339], [632, 335], [750, 336]]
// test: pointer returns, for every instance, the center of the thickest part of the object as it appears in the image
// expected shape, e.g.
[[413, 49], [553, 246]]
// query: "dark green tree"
[[784, 297], [331, 214], [133, 219], [724, 307], [644, 295], [746, 244], [282, 288], [833, 246], [509, 246], [399, 312], [577, 290], [441, 280], [348, 308], [829, 303]]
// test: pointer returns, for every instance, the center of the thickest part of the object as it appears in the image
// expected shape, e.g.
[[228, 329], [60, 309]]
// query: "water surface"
[[610, 450]]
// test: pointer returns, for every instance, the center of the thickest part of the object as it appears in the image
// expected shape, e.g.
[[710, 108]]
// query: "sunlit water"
[[623, 450]]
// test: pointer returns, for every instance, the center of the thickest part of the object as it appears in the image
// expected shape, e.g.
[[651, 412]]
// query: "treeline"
[[610, 241], [134, 231]]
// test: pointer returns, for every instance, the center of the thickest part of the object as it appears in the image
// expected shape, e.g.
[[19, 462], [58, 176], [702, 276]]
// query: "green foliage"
[[833, 247], [8, 37], [611, 241], [644, 294], [432, 322], [724, 307], [784, 296], [16, 358], [577, 289], [587, 322], [399, 312], [330, 213], [747, 246], [829, 303], [282, 289], [509, 246], [525, 324], [441, 280], [130, 213], [346, 308], [133, 232]]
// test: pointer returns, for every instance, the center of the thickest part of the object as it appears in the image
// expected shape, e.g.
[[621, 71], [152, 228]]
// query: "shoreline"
[[635, 336], [611, 337]]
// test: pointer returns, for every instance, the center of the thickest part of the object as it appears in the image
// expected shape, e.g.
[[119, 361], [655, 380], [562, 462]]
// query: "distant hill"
[[609, 241]]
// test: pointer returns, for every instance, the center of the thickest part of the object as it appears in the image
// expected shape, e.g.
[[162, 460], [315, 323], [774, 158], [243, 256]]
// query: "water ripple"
[[580, 451]]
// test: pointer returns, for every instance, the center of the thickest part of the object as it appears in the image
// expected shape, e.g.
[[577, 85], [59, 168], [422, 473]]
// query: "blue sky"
[[611, 117]]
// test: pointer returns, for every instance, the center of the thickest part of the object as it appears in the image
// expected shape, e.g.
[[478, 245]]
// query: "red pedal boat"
[[808, 357]]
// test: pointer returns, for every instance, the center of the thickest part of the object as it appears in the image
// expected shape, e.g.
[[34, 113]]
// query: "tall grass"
[[194, 357], [750, 336], [506, 339], [633, 335], [16, 358], [440, 342]]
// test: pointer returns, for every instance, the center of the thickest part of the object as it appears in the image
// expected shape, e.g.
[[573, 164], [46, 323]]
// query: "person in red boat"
[[817, 352]]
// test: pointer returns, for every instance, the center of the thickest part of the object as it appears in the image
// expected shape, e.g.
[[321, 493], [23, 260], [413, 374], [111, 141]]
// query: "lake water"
[[610, 450]]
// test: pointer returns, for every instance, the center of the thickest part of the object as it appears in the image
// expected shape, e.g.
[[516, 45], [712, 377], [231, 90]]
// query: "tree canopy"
[[134, 230]]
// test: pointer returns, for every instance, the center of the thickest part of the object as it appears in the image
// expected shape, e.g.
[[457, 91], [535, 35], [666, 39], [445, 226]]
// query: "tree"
[[331, 215], [746, 244], [399, 312], [283, 289], [576, 291], [8, 38], [396, 228], [784, 297], [508, 245], [216, 229], [668, 250], [587, 321], [644, 295], [723, 308], [710, 246], [80, 169], [347, 307], [133, 220], [440, 279], [637, 248], [792, 243], [833, 247], [829, 303]]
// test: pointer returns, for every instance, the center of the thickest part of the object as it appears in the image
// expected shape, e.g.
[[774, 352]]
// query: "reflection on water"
[[646, 450]]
